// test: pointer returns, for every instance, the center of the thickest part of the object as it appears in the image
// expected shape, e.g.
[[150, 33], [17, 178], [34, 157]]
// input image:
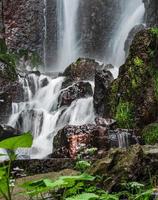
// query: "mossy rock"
[[133, 97], [150, 134]]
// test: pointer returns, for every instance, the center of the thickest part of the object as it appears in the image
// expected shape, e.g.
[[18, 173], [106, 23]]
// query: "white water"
[[67, 38], [41, 115], [133, 15]]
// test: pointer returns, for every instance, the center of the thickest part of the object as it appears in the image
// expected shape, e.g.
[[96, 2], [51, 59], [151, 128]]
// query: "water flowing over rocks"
[[74, 92]]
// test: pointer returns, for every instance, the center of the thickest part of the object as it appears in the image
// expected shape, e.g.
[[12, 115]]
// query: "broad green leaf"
[[84, 196], [23, 141], [107, 196]]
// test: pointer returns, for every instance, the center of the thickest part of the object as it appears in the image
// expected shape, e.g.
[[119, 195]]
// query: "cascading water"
[[132, 15], [67, 37], [41, 115]]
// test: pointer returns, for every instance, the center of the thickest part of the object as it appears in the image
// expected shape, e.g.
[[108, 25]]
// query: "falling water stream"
[[40, 113], [133, 15], [67, 19]]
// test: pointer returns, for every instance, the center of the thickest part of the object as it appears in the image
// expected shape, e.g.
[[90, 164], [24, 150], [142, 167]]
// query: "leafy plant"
[[138, 62], [11, 144], [124, 115], [82, 165]]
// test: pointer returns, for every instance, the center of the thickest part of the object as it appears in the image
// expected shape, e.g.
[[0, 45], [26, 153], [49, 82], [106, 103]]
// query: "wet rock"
[[132, 98], [130, 37], [8, 132], [82, 69], [103, 79], [44, 82], [127, 165], [74, 92], [75, 140]]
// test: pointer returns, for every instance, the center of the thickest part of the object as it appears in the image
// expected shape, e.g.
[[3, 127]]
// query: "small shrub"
[[124, 115], [82, 165], [150, 134]]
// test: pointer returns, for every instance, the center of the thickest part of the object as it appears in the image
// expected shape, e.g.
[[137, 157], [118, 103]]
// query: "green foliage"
[[124, 115], [85, 196], [13, 143], [3, 47], [25, 140], [155, 76], [138, 62], [154, 31], [133, 187], [150, 134], [82, 165]]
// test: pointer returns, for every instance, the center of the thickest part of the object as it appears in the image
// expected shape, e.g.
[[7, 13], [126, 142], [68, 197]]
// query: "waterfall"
[[40, 113], [67, 34], [132, 15], [45, 33]]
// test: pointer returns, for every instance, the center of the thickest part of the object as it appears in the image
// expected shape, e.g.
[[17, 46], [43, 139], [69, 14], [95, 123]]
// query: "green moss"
[[3, 47], [10, 61], [138, 62], [154, 31], [150, 134], [124, 115]]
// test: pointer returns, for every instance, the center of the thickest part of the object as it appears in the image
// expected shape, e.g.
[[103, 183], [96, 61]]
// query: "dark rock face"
[[103, 79], [9, 90], [1, 20], [151, 14], [130, 165], [82, 69], [97, 19], [24, 22], [132, 97], [74, 92], [8, 132]]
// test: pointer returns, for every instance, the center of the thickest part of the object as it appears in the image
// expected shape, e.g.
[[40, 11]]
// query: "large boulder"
[[123, 165], [78, 90], [133, 97], [82, 69], [103, 79], [72, 140]]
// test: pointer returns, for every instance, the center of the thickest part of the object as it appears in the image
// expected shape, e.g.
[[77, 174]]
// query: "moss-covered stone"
[[150, 133], [133, 97], [123, 165]]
